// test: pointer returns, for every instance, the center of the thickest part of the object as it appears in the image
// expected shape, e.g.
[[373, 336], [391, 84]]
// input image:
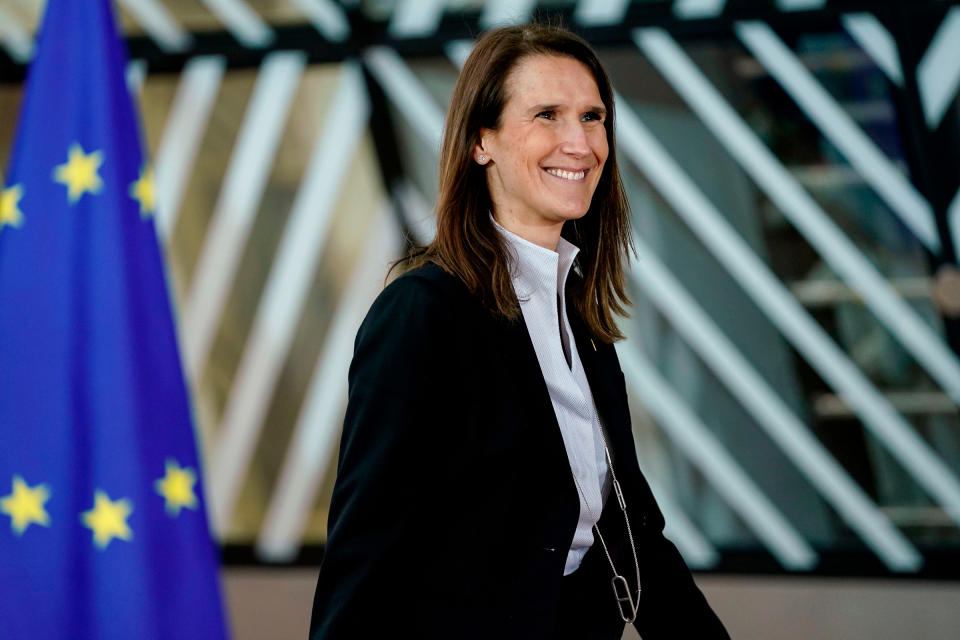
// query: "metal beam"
[[877, 42], [286, 290], [233, 215], [15, 38], [242, 22], [402, 87], [311, 449], [754, 393], [687, 9], [498, 13], [600, 12], [938, 74], [838, 127], [697, 550], [182, 134], [416, 18], [772, 297], [726, 476], [159, 24], [327, 17]]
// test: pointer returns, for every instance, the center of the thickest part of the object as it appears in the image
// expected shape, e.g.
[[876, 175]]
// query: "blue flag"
[[103, 531]]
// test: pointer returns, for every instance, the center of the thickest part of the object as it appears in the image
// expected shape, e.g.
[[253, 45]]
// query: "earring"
[[481, 158]]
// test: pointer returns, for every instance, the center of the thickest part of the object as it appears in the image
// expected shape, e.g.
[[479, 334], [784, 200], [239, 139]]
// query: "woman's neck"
[[542, 233]]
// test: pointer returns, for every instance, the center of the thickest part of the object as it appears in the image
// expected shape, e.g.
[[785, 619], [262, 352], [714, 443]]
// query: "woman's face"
[[545, 160]]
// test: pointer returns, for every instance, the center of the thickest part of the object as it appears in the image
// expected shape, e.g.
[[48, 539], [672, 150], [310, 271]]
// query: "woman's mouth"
[[572, 176]]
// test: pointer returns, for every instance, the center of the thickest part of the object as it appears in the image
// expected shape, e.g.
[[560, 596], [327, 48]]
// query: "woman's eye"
[[591, 115], [549, 115]]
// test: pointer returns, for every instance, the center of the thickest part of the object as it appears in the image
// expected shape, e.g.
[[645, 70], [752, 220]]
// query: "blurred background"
[[793, 168]]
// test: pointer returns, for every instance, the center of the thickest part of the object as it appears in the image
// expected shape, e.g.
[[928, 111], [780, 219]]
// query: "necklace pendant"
[[619, 492], [628, 609]]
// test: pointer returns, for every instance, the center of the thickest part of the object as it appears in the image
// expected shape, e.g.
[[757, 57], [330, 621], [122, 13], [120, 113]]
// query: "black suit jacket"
[[454, 505]]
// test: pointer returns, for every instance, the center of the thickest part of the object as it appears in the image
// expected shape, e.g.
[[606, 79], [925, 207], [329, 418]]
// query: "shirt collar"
[[537, 269]]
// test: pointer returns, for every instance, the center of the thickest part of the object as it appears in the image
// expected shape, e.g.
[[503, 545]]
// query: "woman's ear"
[[481, 155]]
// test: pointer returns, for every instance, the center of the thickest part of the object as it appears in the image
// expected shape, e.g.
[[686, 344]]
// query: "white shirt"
[[539, 278]]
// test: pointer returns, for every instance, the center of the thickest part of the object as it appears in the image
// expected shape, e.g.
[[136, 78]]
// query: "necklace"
[[621, 588]]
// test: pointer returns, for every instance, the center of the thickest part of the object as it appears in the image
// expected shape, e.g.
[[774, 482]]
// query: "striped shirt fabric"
[[539, 278]]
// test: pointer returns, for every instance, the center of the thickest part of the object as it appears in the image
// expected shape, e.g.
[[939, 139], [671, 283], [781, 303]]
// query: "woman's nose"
[[574, 140]]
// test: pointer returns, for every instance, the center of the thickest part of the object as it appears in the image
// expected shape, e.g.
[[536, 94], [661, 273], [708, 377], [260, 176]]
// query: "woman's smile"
[[568, 175]]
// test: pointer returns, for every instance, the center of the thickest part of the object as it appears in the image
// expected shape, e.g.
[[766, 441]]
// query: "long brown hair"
[[467, 245]]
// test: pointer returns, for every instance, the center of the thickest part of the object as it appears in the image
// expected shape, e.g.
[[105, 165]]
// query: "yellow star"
[[9, 211], [108, 519], [25, 505], [79, 172], [177, 488], [143, 192]]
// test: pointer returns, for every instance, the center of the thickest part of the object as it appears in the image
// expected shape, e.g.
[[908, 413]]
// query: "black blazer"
[[454, 505]]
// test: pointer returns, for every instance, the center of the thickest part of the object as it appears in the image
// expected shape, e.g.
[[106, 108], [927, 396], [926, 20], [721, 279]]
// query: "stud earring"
[[481, 158]]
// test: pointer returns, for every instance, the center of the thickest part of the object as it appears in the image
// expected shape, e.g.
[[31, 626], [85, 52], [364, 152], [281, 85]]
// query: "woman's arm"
[[671, 605], [395, 469]]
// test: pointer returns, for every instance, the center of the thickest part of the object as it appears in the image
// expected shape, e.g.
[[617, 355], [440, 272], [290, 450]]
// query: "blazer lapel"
[[541, 439], [522, 372], [603, 374]]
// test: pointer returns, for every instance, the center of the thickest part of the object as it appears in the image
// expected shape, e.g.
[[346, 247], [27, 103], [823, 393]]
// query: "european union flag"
[[103, 532]]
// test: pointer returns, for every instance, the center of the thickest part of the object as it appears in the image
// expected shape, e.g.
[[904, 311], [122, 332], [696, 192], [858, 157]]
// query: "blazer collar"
[[600, 365]]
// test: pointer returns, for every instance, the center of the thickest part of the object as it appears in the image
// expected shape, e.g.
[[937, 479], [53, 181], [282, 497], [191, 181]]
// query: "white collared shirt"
[[539, 279]]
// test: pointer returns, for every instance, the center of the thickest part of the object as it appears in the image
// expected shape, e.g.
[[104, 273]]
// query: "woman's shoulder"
[[427, 285], [422, 296]]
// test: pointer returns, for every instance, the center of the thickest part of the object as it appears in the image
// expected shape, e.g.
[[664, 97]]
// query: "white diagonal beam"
[[420, 219], [875, 167], [772, 297], [286, 290], [311, 449], [697, 551], [802, 210], [800, 5], [159, 24], [953, 222], [698, 8], [404, 90], [877, 42], [498, 13], [710, 456], [15, 38], [416, 18], [327, 18], [755, 394], [600, 12], [242, 22], [236, 208], [938, 73], [458, 51], [136, 75], [182, 135]]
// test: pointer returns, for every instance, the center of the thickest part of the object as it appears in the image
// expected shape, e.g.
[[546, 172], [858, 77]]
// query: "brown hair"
[[467, 244]]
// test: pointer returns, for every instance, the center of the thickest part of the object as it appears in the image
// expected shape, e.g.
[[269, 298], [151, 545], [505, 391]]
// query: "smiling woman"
[[488, 485]]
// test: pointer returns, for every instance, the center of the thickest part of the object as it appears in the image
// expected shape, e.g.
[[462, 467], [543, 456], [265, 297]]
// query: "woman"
[[487, 484]]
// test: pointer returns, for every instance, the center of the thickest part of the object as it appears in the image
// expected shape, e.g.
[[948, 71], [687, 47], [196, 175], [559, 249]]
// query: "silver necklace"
[[621, 588]]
